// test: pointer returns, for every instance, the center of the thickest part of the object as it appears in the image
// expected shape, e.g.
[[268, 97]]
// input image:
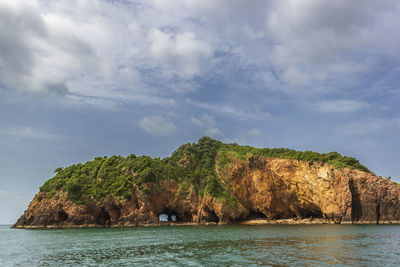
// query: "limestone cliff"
[[254, 187], [281, 188]]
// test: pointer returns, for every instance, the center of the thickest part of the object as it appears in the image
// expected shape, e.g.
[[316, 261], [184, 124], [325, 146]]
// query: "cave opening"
[[313, 212], [214, 217], [62, 216], [255, 214], [30, 219], [211, 215], [103, 218], [168, 215], [114, 212]]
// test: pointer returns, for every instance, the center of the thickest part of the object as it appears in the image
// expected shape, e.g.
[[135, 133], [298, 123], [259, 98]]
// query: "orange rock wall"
[[270, 188]]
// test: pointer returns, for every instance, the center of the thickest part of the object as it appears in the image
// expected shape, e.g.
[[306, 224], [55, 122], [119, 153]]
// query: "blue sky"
[[80, 79]]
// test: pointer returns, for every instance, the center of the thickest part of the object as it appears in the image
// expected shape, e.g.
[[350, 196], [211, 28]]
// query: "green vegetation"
[[234, 151], [192, 166]]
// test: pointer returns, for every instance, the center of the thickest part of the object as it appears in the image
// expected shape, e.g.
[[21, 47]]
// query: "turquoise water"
[[311, 245]]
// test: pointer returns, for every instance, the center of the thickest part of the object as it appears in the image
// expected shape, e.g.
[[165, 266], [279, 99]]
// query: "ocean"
[[227, 245]]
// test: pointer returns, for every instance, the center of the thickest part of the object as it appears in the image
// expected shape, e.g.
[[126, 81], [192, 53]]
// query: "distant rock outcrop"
[[255, 187]]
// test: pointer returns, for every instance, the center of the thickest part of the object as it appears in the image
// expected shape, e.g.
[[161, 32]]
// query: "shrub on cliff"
[[192, 166], [235, 151]]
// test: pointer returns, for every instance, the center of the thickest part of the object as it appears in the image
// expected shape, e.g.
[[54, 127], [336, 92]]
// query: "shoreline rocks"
[[266, 191]]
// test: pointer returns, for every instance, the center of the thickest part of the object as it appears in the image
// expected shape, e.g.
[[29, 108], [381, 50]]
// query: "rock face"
[[280, 188], [264, 188]]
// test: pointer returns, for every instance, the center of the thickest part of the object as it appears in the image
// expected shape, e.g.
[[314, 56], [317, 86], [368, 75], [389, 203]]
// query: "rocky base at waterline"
[[247, 188]]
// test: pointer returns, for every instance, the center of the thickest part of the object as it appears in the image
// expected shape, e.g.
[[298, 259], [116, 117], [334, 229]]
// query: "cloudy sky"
[[80, 79]]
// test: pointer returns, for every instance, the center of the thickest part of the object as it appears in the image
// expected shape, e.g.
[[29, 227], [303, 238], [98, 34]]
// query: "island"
[[210, 182]]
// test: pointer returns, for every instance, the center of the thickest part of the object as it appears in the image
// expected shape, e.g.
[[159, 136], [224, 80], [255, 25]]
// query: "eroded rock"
[[264, 188]]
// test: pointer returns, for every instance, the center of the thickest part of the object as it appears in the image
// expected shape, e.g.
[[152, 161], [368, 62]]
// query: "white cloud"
[[197, 121], [248, 137], [340, 106], [370, 126], [232, 111], [213, 132], [157, 126], [39, 52], [209, 125], [97, 49], [29, 132], [255, 132], [314, 40], [182, 52], [118, 49]]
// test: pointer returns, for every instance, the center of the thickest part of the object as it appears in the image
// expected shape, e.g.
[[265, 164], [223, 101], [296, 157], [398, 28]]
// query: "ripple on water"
[[315, 245]]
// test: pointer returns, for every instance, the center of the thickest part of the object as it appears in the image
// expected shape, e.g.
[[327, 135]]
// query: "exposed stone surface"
[[267, 189], [283, 189]]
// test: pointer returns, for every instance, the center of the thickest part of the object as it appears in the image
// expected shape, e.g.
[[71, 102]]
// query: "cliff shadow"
[[356, 209], [209, 215], [255, 214], [378, 211], [103, 218]]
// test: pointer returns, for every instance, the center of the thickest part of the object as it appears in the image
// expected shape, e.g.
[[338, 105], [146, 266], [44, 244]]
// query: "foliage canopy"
[[192, 166]]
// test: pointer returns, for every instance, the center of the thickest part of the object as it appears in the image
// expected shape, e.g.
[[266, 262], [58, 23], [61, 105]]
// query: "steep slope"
[[212, 182]]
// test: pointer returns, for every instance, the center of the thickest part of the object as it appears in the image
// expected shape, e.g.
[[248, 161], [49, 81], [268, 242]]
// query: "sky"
[[87, 78]]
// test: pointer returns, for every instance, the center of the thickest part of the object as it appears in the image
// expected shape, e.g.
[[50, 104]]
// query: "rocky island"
[[213, 182]]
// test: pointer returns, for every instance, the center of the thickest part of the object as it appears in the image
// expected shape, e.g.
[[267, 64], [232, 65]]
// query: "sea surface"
[[261, 245]]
